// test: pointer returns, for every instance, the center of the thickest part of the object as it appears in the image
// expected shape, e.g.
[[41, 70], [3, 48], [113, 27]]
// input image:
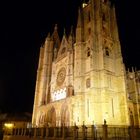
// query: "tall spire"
[[55, 27], [71, 36], [80, 26], [55, 37], [64, 36], [79, 23], [55, 33], [64, 32], [71, 31], [48, 36]]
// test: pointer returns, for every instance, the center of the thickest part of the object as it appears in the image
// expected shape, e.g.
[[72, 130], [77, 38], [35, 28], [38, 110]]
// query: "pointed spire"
[[55, 27], [64, 33], [64, 38], [135, 69], [132, 69], [80, 26], [128, 70], [79, 23], [71, 36], [48, 36], [55, 36], [55, 33], [71, 31]]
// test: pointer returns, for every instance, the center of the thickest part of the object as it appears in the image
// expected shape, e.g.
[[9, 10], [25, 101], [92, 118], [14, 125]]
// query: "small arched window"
[[88, 52], [107, 51]]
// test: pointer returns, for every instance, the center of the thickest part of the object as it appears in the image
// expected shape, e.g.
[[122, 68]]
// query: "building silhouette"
[[82, 77]]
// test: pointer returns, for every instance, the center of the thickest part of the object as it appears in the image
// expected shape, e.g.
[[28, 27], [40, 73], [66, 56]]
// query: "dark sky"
[[24, 24]]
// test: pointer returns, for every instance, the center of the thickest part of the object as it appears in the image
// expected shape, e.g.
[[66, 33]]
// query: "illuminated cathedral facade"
[[82, 77]]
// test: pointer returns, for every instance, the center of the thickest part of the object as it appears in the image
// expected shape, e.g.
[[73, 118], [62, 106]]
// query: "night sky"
[[24, 24]]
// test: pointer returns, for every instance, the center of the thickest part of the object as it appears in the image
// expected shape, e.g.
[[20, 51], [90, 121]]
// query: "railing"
[[99, 132]]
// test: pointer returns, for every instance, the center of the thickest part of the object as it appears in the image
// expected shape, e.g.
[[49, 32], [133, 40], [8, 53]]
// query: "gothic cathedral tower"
[[82, 78]]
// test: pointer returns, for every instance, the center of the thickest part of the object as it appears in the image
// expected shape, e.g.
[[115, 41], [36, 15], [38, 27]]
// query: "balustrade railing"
[[99, 132]]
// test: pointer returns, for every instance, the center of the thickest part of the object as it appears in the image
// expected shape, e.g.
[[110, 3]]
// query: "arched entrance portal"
[[51, 117], [41, 120], [65, 116]]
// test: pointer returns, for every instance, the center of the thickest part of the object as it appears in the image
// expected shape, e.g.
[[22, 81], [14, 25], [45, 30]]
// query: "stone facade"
[[82, 78], [133, 89]]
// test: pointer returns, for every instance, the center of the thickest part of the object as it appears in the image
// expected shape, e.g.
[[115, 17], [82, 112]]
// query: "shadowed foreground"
[[92, 132]]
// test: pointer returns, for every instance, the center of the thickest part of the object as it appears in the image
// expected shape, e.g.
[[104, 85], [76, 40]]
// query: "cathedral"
[[81, 78]]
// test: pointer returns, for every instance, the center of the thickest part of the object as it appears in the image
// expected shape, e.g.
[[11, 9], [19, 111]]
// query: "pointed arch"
[[41, 119], [51, 117], [65, 115]]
